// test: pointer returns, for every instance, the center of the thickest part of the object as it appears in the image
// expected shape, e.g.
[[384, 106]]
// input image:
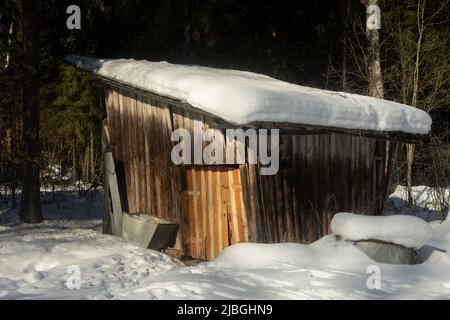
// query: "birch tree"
[[373, 50]]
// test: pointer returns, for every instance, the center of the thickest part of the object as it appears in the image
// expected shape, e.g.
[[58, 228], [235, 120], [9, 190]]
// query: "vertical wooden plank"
[[135, 151], [201, 211], [364, 179], [115, 125], [248, 206], [293, 184], [216, 194], [296, 188], [373, 164], [158, 161], [224, 208], [318, 177], [119, 125], [240, 207], [353, 175], [116, 136], [254, 212], [173, 201], [158, 170], [348, 154], [309, 187], [147, 159], [142, 154], [164, 162], [192, 212], [333, 175], [278, 204], [324, 184], [358, 176], [127, 151], [197, 212], [265, 233], [273, 213], [268, 210], [369, 182], [288, 200], [381, 153], [210, 215], [235, 238]]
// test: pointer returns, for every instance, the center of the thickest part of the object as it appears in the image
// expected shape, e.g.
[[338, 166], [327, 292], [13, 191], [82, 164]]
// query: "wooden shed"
[[323, 171]]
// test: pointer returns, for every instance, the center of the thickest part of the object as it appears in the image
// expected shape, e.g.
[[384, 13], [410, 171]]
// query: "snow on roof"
[[408, 231], [243, 97]]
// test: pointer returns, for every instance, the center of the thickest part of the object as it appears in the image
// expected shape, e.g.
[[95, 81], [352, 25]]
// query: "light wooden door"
[[216, 210]]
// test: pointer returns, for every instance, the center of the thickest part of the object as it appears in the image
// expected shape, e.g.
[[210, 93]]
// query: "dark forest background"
[[315, 43]]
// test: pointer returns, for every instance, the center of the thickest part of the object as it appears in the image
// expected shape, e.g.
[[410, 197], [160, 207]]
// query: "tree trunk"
[[409, 165], [187, 38], [86, 165], [344, 53], [91, 156], [74, 160], [30, 209], [13, 190], [8, 52], [373, 59], [375, 76]]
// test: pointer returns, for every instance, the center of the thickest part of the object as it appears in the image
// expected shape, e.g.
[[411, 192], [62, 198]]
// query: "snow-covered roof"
[[408, 231], [243, 97]]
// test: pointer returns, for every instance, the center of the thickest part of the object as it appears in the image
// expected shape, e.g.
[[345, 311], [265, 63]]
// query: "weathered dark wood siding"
[[325, 175]]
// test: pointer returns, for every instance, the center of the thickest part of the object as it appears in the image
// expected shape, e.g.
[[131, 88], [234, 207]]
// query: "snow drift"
[[244, 97]]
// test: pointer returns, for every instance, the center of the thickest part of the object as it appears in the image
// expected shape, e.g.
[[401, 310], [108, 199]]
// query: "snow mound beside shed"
[[408, 231]]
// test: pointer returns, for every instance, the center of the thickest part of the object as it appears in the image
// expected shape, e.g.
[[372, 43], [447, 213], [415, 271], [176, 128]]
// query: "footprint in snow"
[[225, 295], [320, 274], [43, 265]]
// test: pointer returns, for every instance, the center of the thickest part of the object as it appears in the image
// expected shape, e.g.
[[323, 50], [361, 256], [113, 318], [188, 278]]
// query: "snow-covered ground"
[[428, 203], [42, 262]]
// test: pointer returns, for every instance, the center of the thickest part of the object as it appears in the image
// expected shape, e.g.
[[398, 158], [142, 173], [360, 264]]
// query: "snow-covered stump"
[[385, 239]]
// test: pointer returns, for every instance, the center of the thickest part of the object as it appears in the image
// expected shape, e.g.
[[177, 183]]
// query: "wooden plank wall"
[[326, 174], [140, 131], [319, 175]]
